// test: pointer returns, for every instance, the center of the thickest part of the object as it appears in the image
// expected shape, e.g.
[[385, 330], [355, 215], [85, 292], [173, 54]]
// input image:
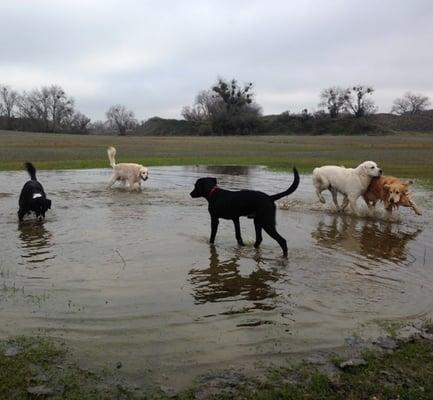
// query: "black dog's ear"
[[214, 180], [48, 201]]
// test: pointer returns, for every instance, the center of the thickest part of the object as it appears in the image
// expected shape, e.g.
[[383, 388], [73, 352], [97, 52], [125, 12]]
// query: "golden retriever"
[[392, 192], [126, 172]]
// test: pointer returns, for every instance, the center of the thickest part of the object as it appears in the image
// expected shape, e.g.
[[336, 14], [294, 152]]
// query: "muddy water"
[[130, 277]]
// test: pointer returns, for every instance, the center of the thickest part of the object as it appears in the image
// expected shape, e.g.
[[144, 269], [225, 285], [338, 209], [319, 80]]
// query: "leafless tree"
[[234, 96], [239, 113], [34, 106], [77, 123], [410, 103], [191, 113], [333, 100], [50, 106], [100, 128], [206, 104], [61, 107], [121, 119], [8, 103], [357, 103], [227, 107]]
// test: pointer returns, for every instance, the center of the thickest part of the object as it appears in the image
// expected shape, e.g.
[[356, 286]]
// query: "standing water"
[[131, 277]]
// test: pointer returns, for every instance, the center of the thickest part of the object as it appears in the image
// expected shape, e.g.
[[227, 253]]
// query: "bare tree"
[[357, 103], [49, 106], [333, 100], [61, 106], [227, 107], [206, 104], [236, 112], [77, 123], [34, 106], [100, 128], [121, 119], [234, 96], [8, 103], [191, 113], [410, 103]]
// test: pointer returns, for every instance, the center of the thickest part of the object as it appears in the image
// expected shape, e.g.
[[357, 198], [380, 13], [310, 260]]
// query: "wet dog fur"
[[126, 172], [392, 192], [232, 205], [350, 182], [32, 196]]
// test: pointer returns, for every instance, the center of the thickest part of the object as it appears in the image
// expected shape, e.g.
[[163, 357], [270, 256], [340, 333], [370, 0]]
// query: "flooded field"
[[130, 277]]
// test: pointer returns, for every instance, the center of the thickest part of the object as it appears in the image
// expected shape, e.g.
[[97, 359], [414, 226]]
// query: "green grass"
[[404, 155], [40, 362], [403, 374]]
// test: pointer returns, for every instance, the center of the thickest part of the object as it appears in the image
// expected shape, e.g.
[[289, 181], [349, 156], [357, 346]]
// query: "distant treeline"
[[227, 108], [48, 109], [312, 124]]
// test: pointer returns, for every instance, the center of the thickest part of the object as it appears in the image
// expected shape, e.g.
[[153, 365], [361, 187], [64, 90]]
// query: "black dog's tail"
[[31, 170], [290, 190]]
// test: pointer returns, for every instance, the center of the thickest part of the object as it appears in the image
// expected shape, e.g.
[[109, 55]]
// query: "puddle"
[[130, 277]]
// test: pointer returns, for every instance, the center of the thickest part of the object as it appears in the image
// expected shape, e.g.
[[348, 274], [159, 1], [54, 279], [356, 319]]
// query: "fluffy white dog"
[[350, 182], [126, 172]]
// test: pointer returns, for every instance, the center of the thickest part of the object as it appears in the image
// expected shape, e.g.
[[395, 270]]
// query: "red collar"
[[213, 190]]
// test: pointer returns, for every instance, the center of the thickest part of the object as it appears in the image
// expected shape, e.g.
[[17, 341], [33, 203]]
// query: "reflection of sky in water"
[[131, 275]]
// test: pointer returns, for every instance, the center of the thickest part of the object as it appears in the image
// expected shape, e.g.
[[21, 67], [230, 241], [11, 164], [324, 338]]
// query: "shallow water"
[[130, 277]]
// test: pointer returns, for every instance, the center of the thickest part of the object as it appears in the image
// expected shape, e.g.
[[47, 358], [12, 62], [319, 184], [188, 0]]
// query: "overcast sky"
[[154, 56]]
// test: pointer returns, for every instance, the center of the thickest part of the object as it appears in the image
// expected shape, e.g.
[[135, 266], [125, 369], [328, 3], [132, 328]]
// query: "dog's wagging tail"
[[253, 204], [126, 172], [31, 170], [291, 189]]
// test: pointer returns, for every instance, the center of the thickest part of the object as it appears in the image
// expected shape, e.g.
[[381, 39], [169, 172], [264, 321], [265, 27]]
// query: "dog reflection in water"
[[222, 281], [377, 240], [36, 242]]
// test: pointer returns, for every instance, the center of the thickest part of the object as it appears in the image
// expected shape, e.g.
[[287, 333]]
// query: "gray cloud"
[[155, 56]]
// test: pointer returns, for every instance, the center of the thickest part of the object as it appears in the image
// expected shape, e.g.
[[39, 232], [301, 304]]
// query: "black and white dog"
[[227, 204], [32, 197]]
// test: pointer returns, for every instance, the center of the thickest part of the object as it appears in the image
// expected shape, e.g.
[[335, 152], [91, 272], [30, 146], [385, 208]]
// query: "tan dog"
[[126, 172], [391, 191]]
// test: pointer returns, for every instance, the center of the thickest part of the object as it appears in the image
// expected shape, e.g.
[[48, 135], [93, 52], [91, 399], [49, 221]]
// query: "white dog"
[[133, 173], [350, 182]]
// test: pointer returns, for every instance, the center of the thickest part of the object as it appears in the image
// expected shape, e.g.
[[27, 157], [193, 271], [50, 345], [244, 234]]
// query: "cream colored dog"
[[350, 182], [126, 172]]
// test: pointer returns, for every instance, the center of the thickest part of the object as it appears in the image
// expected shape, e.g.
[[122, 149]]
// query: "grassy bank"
[[41, 368], [406, 155]]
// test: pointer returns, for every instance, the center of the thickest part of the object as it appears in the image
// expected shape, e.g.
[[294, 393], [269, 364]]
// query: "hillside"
[[286, 124], [279, 124]]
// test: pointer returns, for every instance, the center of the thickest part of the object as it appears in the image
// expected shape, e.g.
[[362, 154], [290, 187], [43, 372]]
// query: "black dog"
[[232, 205], [32, 197]]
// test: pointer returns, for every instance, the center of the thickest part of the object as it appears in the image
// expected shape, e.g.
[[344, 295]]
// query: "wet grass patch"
[[402, 374], [39, 368], [42, 368]]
